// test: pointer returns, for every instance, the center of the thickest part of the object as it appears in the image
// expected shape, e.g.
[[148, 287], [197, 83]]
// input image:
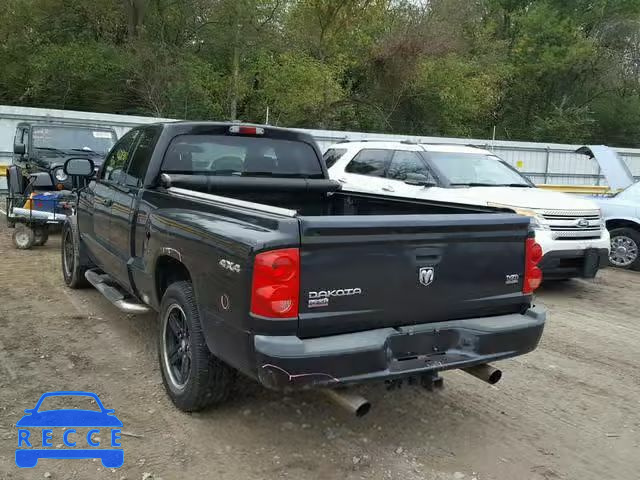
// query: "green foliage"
[[575, 123], [618, 120], [298, 89], [548, 70], [552, 61], [455, 96], [74, 75]]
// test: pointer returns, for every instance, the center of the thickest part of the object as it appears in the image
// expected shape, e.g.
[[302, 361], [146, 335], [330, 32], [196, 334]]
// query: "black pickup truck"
[[257, 263]]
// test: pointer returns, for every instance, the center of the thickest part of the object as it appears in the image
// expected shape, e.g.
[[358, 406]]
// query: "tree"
[[548, 70], [298, 90]]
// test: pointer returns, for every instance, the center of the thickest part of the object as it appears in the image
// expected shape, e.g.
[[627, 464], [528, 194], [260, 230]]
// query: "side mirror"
[[419, 179], [79, 167], [19, 148], [165, 180]]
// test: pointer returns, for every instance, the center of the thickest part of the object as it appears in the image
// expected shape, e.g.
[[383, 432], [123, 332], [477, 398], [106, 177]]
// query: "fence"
[[542, 163]]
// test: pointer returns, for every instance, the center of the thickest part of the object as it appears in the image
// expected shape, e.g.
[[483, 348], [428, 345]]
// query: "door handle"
[[107, 202], [342, 180], [388, 189]]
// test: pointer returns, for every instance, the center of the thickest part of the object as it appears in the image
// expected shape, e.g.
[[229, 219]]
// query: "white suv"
[[570, 229]]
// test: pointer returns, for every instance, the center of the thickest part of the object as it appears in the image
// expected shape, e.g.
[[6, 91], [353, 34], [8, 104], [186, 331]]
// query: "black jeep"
[[39, 189], [43, 148]]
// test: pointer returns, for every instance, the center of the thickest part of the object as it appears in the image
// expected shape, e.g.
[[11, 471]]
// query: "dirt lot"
[[570, 410]]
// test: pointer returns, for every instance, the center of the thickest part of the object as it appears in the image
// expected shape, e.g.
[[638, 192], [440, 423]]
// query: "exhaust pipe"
[[485, 372], [355, 404]]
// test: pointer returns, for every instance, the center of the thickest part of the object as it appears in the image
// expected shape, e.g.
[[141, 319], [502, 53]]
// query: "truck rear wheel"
[[73, 269], [193, 377], [625, 248]]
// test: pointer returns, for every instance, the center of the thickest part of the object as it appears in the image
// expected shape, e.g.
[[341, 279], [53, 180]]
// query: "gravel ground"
[[569, 410]]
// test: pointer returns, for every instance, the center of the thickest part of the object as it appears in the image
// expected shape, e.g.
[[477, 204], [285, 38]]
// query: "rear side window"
[[241, 156], [405, 162], [332, 155], [116, 163], [370, 162], [141, 156]]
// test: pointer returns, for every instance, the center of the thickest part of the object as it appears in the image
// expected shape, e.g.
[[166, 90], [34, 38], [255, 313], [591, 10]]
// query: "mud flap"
[[591, 263]]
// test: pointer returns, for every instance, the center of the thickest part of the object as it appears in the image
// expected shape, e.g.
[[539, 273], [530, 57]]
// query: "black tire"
[[15, 187], [207, 380], [15, 181], [23, 237], [42, 235], [625, 248], [74, 263]]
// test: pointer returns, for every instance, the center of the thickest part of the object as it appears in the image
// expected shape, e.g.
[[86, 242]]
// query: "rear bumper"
[[388, 353], [574, 263]]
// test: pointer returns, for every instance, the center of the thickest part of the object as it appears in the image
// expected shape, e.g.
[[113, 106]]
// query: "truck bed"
[[408, 262], [313, 196]]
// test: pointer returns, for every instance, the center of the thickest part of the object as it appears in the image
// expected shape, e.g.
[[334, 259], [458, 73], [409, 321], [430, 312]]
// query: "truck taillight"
[[532, 273], [275, 290], [244, 130]]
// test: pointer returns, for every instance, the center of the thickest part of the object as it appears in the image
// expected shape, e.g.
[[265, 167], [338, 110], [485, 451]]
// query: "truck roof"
[[188, 126]]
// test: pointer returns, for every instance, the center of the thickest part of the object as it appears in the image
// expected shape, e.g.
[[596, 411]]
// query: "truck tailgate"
[[372, 271]]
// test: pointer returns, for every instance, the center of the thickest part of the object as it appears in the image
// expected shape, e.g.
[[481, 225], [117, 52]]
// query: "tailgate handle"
[[387, 188]]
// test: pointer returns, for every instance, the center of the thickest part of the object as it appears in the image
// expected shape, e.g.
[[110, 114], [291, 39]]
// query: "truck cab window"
[[241, 156], [369, 162], [116, 162], [405, 162]]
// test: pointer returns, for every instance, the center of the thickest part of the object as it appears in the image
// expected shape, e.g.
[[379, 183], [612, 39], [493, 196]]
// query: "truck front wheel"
[[73, 269], [192, 376]]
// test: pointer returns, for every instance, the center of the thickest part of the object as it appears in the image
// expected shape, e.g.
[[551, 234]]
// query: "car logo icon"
[[583, 223], [69, 424], [426, 275]]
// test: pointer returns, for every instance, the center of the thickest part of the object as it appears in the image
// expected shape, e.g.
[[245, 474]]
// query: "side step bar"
[[105, 285]]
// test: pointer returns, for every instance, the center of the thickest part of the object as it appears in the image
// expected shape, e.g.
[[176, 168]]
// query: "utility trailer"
[[31, 213]]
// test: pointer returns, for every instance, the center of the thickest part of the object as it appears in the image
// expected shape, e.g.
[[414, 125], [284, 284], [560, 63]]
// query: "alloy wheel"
[[624, 251], [176, 346]]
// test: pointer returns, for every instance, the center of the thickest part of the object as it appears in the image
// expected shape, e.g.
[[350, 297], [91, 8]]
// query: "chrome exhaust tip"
[[353, 403], [485, 372]]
